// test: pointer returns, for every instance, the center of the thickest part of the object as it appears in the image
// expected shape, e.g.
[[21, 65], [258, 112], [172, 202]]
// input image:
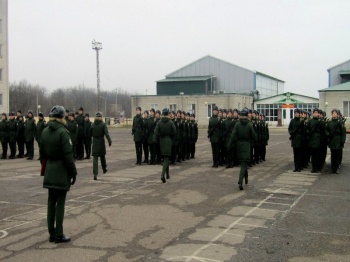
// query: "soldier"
[[4, 127], [296, 132], [179, 136], [30, 131], [265, 138], [87, 137], [343, 120], [227, 129], [194, 136], [98, 132], [187, 139], [323, 152], [20, 136], [214, 134], [236, 113], [314, 133], [81, 132], [157, 145], [242, 135], [67, 116], [334, 133], [39, 128], [222, 149], [144, 137], [72, 128], [164, 132], [151, 125], [12, 134], [174, 139], [59, 171], [137, 132]]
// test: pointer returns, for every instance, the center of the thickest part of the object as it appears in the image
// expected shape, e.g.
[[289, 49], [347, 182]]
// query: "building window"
[[191, 108], [154, 106], [0, 99], [172, 107], [210, 109], [346, 108]]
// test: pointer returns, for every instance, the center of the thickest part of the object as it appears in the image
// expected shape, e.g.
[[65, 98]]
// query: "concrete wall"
[[4, 83]]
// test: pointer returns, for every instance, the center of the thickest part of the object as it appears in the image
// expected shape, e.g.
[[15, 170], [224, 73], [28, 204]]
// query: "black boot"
[[167, 176], [163, 178], [240, 187]]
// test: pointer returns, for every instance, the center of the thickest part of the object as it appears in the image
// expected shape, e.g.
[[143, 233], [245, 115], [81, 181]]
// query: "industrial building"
[[4, 61]]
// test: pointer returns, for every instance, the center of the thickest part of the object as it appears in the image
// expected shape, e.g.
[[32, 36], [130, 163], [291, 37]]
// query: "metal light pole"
[[97, 46], [105, 105]]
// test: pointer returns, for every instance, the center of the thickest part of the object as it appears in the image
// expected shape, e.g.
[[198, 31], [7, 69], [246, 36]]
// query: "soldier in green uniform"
[[39, 128], [223, 115], [179, 135], [242, 135], [164, 132], [214, 134], [66, 117], [98, 132], [72, 128], [59, 171], [227, 128], [137, 132], [144, 137], [174, 141], [30, 131], [151, 125], [13, 132], [81, 133], [194, 136], [323, 152], [20, 136], [265, 138], [4, 127], [343, 120], [157, 145], [87, 137], [296, 132], [187, 139], [314, 136]]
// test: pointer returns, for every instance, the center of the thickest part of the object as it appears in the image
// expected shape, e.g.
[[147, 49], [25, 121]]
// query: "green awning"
[[290, 100]]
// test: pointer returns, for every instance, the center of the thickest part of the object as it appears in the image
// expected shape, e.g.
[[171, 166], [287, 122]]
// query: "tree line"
[[26, 96]]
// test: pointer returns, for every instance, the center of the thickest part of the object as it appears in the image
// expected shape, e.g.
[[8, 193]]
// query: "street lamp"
[[38, 110], [97, 46]]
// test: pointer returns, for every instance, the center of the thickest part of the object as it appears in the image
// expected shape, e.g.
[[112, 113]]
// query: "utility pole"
[[97, 46]]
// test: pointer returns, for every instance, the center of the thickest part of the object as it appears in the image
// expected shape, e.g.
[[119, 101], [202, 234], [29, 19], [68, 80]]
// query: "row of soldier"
[[310, 137]]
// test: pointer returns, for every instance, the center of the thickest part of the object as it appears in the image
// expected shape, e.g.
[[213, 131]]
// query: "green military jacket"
[[151, 125], [175, 141], [13, 130], [165, 131], [180, 129], [72, 127], [296, 132], [214, 129], [56, 149], [81, 125], [4, 127], [334, 132], [185, 131], [242, 136], [30, 129], [194, 135], [98, 132], [314, 132], [20, 131], [137, 128], [87, 127], [228, 125], [39, 129], [265, 133]]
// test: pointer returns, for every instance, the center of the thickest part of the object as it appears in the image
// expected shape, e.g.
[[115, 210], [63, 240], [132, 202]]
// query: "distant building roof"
[[288, 96], [338, 65], [185, 79], [262, 74], [341, 87]]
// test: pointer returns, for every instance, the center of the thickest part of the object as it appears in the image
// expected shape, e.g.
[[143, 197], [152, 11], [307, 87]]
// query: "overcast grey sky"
[[143, 40]]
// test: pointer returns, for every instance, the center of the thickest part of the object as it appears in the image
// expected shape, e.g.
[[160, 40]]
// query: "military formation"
[[159, 142], [311, 134]]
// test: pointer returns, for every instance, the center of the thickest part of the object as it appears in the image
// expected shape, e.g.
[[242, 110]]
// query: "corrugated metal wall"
[[334, 77], [188, 88], [229, 78]]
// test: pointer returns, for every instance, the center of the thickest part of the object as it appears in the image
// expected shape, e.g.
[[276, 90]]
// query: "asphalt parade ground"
[[198, 215]]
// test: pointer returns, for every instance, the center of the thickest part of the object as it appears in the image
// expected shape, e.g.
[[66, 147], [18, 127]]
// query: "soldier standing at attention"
[[150, 131], [223, 153], [20, 136], [228, 126], [66, 115], [242, 135], [4, 127], [188, 127], [214, 134], [30, 131], [144, 137], [87, 137], [60, 171], [81, 132], [314, 133], [174, 138], [266, 137], [137, 132], [295, 130], [39, 128], [194, 136], [98, 132], [179, 134], [72, 128], [164, 133], [13, 131], [158, 153]]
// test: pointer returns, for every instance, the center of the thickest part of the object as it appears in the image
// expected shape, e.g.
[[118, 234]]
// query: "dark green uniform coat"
[[29, 129], [56, 148], [214, 129], [98, 132], [4, 126], [13, 130], [165, 130], [137, 128], [314, 132], [334, 133], [39, 129], [72, 127], [296, 132]]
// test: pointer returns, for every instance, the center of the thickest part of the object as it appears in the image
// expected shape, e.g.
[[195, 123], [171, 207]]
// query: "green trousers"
[[55, 212], [243, 172], [95, 164], [165, 165]]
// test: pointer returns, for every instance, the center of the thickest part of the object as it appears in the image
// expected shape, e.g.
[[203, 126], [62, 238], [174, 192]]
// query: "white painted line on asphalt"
[[250, 225], [294, 203], [319, 195], [274, 203], [4, 202], [283, 198], [327, 233], [3, 233], [240, 235]]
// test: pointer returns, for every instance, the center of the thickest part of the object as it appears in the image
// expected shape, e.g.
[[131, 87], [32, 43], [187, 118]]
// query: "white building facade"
[[4, 61]]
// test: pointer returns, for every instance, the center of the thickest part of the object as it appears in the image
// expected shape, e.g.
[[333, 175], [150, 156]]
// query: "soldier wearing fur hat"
[[13, 132], [4, 127], [87, 137], [81, 133], [40, 127], [72, 128], [163, 134], [144, 137], [194, 136], [137, 132], [151, 125], [214, 134], [98, 132], [314, 136], [30, 131]]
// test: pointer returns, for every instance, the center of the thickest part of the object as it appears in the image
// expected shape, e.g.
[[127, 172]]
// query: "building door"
[[287, 115]]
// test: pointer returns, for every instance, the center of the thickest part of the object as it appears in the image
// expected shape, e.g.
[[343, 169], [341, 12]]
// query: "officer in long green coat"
[[40, 127], [242, 135], [296, 133], [214, 134], [164, 133], [4, 126], [30, 130], [228, 126], [98, 132], [175, 141], [151, 125], [179, 134], [72, 128], [137, 132], [144, 137], [87, 137], [314, 133], [81, 133], [58, 169], [13, 132]]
